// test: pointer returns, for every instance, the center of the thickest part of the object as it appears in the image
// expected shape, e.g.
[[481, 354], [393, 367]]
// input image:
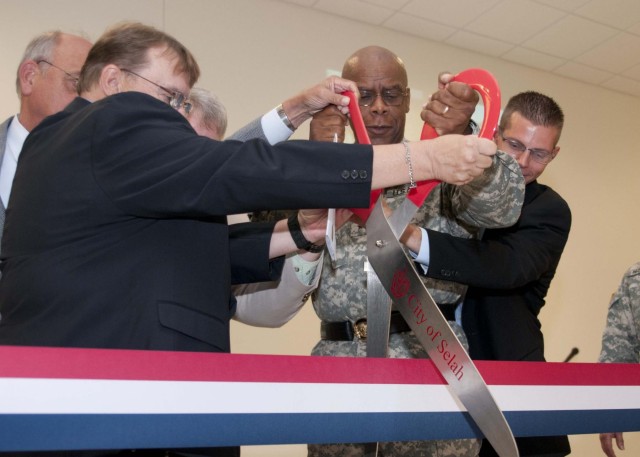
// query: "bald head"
[[374, 61], [47, 75], [381, 76]]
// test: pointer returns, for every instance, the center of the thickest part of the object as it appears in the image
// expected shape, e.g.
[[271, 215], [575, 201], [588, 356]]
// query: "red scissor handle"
[[478, 79], [363, 138]]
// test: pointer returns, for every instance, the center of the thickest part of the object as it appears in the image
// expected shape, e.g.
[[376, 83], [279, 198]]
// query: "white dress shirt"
[[273, 128], [15, 139]]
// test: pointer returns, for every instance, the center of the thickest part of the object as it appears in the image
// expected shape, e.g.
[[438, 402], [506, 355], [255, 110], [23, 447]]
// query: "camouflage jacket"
[[621, 336], [490, 201]]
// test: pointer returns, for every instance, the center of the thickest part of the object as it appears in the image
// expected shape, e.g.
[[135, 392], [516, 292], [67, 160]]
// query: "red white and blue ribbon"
[[64, 399]]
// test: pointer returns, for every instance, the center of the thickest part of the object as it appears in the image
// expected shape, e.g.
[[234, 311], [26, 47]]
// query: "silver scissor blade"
[[378, 315], [412, 299], [401, 216]]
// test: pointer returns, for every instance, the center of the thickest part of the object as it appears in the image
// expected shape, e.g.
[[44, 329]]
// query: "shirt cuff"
[[306, 269], [423, 256], [274, 129]]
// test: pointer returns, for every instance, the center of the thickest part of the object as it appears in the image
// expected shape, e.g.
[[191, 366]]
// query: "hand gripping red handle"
[[478, 79]]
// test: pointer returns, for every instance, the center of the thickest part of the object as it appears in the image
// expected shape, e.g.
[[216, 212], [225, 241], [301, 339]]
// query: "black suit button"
[[445, 273], [363, 174], [345, 174], [354, 174]]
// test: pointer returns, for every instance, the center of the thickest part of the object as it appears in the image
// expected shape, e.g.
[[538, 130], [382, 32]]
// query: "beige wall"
[[254, 53]]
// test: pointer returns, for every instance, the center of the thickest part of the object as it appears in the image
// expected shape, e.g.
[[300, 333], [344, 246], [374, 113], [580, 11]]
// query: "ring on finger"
[[445, 110]]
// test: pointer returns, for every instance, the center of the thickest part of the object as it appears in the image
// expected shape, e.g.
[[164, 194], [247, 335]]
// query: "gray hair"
[[40, 48], [214, 114]]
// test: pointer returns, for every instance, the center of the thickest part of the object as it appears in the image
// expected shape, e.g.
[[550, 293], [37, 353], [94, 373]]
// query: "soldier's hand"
[[451, 107], [327, 123]]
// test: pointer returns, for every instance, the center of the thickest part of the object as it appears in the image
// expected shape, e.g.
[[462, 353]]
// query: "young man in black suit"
[[509, 270]]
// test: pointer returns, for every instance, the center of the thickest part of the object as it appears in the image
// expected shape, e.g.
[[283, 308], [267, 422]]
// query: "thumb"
[[485, 147]]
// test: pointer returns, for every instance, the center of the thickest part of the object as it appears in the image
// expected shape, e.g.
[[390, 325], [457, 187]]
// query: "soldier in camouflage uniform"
[[493, 200], [621, 336]]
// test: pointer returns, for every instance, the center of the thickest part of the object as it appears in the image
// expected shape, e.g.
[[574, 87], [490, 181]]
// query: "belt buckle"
[[360, 329]]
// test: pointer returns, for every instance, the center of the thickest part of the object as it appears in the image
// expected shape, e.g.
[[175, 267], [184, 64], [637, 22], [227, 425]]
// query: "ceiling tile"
[[616, 13], [533, 58], [616, 55], [302, 2], [419, 27], [633, 73], [570, 37], [478, 43], [515, 20], [456, 14], [595, 41], [620, 84], [395, 5], [355, 9], [583, 73], [564, 5], [635, 29]]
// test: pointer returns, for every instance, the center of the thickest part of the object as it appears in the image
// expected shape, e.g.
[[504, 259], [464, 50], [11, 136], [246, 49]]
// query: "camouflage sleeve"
[[621, 336], [492, 200]]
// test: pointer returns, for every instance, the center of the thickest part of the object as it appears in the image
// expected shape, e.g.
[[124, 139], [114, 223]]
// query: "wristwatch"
[[298, 237]]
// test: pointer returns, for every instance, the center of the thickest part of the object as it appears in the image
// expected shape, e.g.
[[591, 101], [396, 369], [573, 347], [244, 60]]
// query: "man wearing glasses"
[[509, 271], [341, 300], [123, 242], [46, 82]]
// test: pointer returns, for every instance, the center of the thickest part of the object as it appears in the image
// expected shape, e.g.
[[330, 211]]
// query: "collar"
[[16, 134]]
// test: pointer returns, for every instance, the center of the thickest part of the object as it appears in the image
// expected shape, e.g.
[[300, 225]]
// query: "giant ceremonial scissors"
[[393, 277]]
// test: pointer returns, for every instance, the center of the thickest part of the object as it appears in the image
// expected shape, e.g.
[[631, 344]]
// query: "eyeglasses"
[[72, 79], [176, 99], [390, 97], [187, 106], [539, 155]]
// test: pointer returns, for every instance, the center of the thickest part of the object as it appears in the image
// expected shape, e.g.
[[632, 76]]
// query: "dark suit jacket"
[[508, 272], [116, 234]]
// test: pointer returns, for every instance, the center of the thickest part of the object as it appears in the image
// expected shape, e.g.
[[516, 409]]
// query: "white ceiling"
[[594, 41]]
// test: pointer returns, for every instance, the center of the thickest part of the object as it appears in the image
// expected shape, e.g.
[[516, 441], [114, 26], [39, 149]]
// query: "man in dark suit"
[[46, 82], [116, 232], [509, 271]]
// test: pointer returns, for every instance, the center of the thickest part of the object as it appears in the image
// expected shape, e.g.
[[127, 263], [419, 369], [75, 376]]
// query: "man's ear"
[[408, 100], [26, 75], [111, 79]]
